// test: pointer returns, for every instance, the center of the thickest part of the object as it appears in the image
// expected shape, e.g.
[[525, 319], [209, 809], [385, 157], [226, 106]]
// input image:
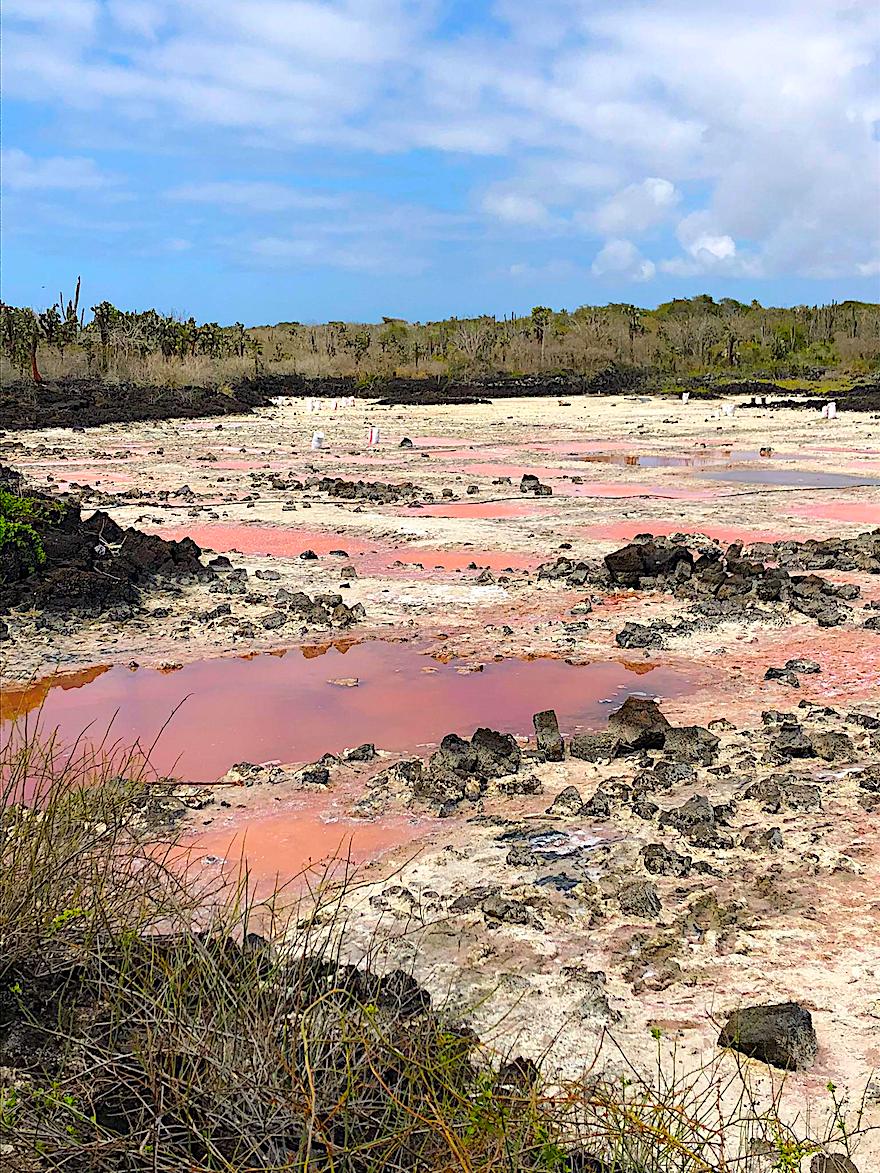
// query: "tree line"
[[686, 335]]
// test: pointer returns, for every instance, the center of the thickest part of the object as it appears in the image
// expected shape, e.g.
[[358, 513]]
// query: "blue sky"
[[267, 160]]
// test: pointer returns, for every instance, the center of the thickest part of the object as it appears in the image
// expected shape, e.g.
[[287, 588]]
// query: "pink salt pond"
[[285, 705], [857, 512], [302, 844], [372, 556]]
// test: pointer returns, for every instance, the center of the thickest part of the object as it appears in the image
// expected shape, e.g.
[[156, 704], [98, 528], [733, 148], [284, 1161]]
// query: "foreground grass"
[[146, 1025]]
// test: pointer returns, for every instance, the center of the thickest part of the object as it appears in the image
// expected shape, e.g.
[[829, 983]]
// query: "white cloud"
[[759, 120], [23, 172], [252, 196], [637, 207], [622, 260], [515, 207]]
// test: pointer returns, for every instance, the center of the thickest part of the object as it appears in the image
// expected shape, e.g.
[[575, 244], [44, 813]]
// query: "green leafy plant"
[[20, 518]]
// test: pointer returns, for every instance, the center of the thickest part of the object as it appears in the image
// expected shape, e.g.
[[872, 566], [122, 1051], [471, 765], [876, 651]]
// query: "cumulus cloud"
[[621, 259], [637, 207]]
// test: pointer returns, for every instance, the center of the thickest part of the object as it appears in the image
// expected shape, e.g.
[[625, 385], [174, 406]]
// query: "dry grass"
[[146, 1026]]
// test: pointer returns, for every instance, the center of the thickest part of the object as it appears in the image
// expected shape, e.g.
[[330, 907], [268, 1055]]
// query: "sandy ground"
[[804, 923]]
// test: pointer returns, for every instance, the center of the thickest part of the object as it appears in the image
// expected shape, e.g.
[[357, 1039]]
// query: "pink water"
[[373, 556], [284, 706], [858, 512]]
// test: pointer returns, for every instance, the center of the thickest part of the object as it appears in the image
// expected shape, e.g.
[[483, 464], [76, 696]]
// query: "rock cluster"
[[531, 484], [88, 566], [376, 492], [324, 610], [728, 582]]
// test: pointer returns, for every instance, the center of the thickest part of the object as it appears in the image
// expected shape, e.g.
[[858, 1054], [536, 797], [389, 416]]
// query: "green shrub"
[[20, 518]]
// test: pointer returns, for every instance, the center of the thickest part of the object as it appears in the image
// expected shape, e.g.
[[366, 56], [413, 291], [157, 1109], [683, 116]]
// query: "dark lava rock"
[[598, 806], [804, 667], [567, 803], [90, 401], [792, 742], [531, 484], [692, 744], [659, 860], [512, 912], [640, 560], [594, 747], [547, 734], [316, 775], [406, 442], [833, 747], [769, 840], [639, 898], [707, 836], [497, 754], [90, 567], [639, 635], [697, 810], [460, 768], [362, 753], [528, 785], [639, 724], [802, 796], [781, 1035], [782, 674]]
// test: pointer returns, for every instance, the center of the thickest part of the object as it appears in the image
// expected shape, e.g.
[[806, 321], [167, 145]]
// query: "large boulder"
[[781, 1035], [594, 747], [497, 754], [639, 724], [488, 754], [629, 565]]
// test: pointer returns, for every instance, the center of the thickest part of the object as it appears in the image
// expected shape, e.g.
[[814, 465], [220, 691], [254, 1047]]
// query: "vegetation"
[[20, 519], [689, 336], [146, 1026]]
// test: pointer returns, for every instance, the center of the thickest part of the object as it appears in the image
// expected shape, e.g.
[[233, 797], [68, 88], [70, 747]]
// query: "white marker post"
[[317, 441], [373, 436]]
